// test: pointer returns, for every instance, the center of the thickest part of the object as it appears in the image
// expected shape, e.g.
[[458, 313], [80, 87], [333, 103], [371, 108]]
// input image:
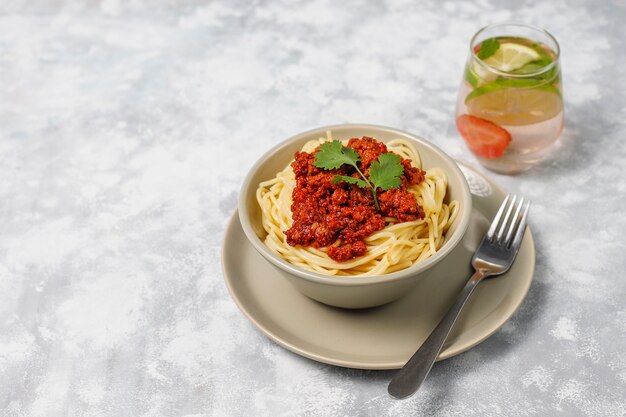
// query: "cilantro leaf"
[[386, 171], [350, 180], [488, 48], [332, 155]]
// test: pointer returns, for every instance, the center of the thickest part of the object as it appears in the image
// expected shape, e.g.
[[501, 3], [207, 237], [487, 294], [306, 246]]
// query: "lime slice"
[[511, 56], [481, 74], [471, 77], [510, 83], [516, 106]]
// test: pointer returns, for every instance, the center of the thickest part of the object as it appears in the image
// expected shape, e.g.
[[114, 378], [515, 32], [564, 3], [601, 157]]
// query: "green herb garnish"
[[488, 48], [385, 172], [350, 180], [332, 155]]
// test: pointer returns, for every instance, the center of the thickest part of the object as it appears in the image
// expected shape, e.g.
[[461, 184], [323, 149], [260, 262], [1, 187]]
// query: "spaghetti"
[[398, 245]]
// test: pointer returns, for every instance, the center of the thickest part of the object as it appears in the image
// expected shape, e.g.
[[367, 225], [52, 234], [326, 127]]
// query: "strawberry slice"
[[486, 139]]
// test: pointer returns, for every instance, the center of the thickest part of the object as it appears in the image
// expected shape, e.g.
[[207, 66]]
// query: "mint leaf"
[[386, 171], [533, 66], [332, 155], [488, 48], [537, 66], [350, 180]]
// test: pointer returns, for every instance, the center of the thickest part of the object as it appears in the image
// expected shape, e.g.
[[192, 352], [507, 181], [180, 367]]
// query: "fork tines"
[[508, 231]]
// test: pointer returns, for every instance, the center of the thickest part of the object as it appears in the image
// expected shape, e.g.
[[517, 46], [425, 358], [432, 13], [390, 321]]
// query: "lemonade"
[[510, 107]]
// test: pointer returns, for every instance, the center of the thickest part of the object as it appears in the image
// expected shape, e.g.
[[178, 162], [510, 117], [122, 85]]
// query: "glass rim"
[[506, 74]]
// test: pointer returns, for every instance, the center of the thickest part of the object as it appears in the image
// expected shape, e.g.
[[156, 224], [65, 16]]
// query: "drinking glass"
[[510, 106]]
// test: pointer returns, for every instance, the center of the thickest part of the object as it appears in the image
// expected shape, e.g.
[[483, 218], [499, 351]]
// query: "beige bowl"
[[343, 291]]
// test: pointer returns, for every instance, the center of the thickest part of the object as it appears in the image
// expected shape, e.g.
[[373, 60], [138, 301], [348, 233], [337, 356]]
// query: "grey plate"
[[381, 337]]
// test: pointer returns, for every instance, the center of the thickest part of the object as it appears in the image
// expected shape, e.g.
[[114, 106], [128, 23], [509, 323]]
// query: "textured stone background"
[[126, 129]]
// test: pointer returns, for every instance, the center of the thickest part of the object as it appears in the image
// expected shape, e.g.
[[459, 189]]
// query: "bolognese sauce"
[[341, 215]]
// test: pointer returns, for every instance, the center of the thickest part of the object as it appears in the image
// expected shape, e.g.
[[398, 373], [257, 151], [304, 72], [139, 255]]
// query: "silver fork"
[[494, 256]]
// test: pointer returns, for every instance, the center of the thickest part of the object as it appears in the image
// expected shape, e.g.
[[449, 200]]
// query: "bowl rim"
[[318, 278]]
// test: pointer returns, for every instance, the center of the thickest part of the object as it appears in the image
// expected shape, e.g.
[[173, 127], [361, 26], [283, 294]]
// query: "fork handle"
[[410, 377]]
